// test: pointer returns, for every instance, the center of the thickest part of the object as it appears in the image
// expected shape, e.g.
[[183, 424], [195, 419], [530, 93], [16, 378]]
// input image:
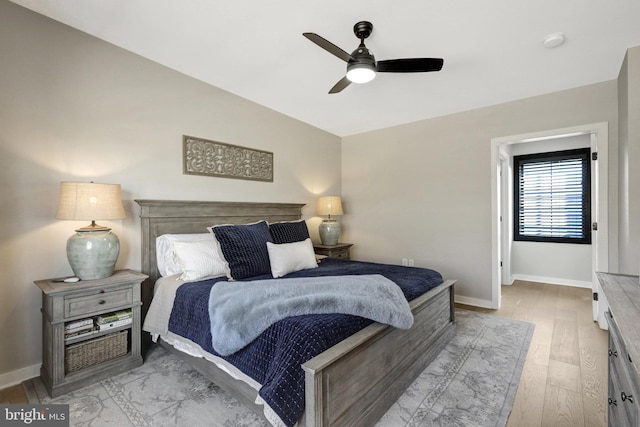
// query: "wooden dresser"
[[623, 297]]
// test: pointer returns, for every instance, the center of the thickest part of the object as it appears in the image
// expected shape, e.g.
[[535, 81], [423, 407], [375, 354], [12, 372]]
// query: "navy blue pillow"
[[289, 231], [245, 248]]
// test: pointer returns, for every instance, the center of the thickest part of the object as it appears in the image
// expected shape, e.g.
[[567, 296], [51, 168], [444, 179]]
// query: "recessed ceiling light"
[[554, 40]]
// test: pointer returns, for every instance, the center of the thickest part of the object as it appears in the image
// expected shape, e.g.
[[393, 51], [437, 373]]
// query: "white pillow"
[[164, 251], [199, 259], [286, 258]]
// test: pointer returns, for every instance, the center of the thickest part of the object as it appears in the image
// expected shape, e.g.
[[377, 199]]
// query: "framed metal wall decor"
[[211, 158]]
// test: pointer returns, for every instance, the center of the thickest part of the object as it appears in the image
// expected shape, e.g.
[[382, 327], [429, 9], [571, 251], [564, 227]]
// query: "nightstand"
[[73, 354], [341, 250]]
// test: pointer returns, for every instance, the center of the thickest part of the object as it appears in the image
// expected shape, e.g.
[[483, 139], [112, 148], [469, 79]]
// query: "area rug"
[[471, 383]]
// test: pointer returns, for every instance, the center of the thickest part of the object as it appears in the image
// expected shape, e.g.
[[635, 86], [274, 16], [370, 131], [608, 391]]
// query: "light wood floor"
[[564, 380], [12, 395]]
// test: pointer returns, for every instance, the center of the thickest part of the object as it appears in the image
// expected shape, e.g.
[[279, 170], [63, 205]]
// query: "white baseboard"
[[552, 281], [9, 379], [476, 302]]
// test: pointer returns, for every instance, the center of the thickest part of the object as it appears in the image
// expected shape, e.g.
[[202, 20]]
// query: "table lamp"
[[93, 251], [329, 228]]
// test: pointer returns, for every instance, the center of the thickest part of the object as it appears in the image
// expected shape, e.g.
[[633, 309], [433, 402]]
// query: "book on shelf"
[[79, 329], [114, 324], [115, 316], [81, 334], [78, 323]]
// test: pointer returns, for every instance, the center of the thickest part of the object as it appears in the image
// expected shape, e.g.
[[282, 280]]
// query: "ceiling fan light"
[[361, 73]]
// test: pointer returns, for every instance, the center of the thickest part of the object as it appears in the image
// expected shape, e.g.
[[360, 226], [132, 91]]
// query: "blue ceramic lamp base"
[[93, 254], [330, 232]]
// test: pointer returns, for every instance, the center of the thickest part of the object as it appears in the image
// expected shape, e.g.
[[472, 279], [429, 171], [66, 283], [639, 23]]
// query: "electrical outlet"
[[410, 263], [405, 262]]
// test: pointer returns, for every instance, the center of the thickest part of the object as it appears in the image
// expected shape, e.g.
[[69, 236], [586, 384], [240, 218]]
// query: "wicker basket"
[[91, 352]]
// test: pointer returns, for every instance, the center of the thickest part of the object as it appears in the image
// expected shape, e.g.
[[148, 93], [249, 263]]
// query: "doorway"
[[500, 231]]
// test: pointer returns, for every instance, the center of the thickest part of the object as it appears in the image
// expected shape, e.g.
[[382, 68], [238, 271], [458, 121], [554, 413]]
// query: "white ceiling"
[[492, 50]]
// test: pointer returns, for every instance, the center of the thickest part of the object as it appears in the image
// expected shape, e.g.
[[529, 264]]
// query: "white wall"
[[76, 108], [423, 190], [562, 263]]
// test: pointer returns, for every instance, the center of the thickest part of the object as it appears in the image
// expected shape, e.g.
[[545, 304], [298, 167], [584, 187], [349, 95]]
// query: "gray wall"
[[423, 190], [629, 158], [73, 107]]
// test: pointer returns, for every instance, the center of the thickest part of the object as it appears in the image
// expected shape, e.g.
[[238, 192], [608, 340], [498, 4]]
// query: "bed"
[[351, 383]]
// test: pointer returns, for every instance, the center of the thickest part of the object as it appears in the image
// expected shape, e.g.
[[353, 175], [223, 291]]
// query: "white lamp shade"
[[329, 205], [90, 201]]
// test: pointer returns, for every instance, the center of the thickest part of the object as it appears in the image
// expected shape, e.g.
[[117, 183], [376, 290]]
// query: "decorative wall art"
[[211, 158]]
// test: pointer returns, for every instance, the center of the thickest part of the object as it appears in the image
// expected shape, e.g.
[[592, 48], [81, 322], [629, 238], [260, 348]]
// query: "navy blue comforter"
[[274, 359]]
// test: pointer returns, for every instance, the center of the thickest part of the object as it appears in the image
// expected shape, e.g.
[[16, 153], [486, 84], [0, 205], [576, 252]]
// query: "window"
[[553, 197]]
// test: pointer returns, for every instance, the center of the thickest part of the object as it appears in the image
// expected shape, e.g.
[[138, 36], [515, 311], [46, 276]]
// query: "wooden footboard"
[[356, 381]]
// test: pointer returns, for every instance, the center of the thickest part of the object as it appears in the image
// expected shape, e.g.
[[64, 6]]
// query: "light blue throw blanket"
[[240, 311]]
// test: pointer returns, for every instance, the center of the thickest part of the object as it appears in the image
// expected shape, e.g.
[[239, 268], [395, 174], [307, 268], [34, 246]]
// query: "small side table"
[[341, 250], [71, 361]]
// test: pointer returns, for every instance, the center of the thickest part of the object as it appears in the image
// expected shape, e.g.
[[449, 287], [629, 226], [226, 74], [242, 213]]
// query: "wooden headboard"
[[160, 217]]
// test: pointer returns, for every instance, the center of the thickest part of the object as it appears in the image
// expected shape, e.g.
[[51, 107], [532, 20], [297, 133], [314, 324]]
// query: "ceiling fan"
[[362, 65]]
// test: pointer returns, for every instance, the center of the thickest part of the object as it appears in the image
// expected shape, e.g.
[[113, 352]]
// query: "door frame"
[[600, 239]]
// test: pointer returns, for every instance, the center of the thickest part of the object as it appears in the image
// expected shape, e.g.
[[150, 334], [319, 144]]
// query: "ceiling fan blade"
[[328, 46], [338, 87], [410, 65]]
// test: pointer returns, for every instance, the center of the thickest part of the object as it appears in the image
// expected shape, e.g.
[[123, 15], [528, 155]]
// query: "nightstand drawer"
[[101, 301], [343, 254], [341, 250]]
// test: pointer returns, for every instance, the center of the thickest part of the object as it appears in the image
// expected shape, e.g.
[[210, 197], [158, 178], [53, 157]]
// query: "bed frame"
[[354, 382]]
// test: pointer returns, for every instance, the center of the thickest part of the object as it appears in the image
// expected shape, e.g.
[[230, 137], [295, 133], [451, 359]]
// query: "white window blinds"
[[553, 201]]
